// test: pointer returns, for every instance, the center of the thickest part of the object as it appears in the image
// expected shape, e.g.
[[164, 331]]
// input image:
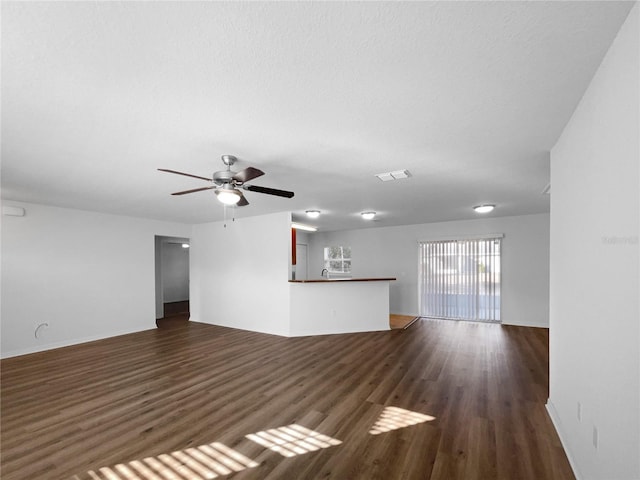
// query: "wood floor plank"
[[187, 398]]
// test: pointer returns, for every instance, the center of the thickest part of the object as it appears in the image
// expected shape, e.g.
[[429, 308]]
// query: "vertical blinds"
[[460, 279]]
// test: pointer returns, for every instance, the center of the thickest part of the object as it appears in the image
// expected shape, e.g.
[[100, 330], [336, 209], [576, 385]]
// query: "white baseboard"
[[555, 419], [65, 343]]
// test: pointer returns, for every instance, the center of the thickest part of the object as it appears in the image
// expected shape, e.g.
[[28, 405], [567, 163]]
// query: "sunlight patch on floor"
[[198, 463], [292, 440], [393, 418]]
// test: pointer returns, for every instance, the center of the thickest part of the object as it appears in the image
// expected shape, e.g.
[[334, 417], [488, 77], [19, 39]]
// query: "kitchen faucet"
[[323, 271]]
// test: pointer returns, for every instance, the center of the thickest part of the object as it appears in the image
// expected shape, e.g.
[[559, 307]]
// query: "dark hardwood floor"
[[441, 400], [176, 314]]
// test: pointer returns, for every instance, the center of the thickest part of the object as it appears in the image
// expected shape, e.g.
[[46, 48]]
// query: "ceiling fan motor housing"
[[222, 177]]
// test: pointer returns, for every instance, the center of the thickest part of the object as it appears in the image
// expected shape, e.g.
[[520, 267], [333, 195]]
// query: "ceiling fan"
[[227, 183]]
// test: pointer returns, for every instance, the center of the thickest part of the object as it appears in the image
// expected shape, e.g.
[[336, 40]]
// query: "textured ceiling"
[[468, 96]]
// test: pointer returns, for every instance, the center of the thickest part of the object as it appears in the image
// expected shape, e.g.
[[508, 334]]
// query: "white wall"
[[393, 252], [88, 275], [595, 317], [174, 268], [239, 274], [158, 274]]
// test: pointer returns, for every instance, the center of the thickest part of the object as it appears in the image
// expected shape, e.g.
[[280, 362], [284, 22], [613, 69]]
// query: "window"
[[460, 279], [337, 259]]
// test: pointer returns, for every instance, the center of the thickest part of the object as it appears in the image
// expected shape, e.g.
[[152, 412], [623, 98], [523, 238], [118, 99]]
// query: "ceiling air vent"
[[395, 175]]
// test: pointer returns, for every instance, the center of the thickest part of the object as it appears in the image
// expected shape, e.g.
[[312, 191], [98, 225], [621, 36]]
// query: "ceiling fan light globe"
[[228, 197]]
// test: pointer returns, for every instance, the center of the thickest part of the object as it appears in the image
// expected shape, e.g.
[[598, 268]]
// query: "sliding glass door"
[[460, 279]]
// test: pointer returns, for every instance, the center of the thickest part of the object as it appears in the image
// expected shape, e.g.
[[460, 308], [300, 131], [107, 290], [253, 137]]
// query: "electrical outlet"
[[579, 412], [595, 437]]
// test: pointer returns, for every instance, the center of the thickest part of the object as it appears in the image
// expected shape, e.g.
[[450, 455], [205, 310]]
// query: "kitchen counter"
[[325, 280], [339, 305]]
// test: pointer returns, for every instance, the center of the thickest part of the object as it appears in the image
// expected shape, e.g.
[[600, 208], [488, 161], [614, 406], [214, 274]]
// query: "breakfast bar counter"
[[324, 280], [339, 305]]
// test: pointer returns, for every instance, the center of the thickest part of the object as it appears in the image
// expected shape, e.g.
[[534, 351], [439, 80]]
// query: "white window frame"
[[342, 260]]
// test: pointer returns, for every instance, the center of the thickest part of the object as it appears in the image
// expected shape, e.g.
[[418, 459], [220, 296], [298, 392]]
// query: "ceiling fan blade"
[[192, 190], [243, 202], [247, 174], [268, 191], [185, 174]]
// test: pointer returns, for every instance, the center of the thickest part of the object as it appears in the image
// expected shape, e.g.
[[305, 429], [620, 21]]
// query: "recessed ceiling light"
[[302, 226], [313, 213], [368, 215], [484, 208]]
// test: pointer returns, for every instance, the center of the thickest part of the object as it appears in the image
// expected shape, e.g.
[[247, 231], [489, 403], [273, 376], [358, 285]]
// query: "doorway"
[[172, 280], [460, 279]]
